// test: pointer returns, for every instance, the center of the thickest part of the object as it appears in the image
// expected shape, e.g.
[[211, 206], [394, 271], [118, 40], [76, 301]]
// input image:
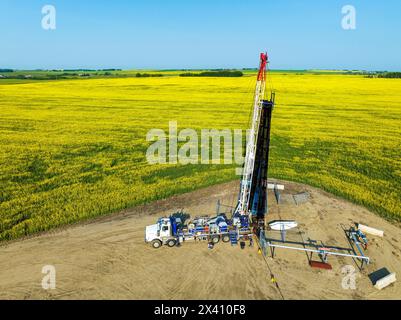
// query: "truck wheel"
[[226, 238], [171, 243], [215, 239], [156, 244]]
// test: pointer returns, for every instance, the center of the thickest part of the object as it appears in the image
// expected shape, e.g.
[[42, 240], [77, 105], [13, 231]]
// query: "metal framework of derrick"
[[252, 200]]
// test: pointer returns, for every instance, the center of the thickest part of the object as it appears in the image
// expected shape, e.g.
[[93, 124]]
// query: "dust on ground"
[[108, 259]]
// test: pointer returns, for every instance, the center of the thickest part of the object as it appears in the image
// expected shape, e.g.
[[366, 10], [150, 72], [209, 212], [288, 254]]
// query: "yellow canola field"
[[71, 150]]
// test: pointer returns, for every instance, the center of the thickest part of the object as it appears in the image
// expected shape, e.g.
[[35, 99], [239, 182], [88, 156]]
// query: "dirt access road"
[[108, 259]]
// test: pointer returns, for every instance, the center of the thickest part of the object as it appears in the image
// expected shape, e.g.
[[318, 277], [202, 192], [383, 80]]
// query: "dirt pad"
[[108, 259]]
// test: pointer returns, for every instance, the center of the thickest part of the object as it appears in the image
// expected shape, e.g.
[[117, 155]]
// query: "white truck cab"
[[163, 232]]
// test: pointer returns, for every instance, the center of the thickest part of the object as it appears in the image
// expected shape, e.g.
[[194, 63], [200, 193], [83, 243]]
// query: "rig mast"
[[252, 201]]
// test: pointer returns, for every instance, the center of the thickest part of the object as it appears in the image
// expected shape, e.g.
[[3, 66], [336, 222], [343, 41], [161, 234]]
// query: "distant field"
[[31, 76], [75, 149]]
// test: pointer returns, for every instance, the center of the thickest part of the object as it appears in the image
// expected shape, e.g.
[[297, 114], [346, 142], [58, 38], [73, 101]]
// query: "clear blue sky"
[[200, 34]]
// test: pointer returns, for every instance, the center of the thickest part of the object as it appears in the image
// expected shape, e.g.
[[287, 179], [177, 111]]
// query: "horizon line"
[[184, 69]]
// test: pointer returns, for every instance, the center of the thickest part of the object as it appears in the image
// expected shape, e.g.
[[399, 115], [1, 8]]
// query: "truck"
[[171, 231]]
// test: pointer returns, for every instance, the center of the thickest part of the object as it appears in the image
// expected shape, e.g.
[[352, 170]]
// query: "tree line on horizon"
[[221, 73]]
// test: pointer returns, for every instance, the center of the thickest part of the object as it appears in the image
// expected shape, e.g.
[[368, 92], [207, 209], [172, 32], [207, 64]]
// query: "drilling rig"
[[249, 215], [252, 200]]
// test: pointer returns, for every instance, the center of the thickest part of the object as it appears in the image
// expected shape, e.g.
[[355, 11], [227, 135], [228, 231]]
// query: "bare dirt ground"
[[108, 259]]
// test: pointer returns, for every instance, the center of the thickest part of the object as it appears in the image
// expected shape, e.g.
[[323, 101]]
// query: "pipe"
[[321, 251]]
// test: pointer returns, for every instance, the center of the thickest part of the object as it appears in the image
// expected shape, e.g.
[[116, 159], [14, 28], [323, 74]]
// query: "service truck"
[[171, 230]]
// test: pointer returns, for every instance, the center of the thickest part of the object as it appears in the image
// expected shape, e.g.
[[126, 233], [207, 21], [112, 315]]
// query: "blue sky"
[[200, 34]]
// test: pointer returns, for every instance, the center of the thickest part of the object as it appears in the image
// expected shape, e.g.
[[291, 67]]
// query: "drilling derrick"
[[252, 200]]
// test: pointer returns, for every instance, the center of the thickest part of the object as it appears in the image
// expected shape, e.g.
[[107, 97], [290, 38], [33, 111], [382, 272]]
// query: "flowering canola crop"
[[76, 149]]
